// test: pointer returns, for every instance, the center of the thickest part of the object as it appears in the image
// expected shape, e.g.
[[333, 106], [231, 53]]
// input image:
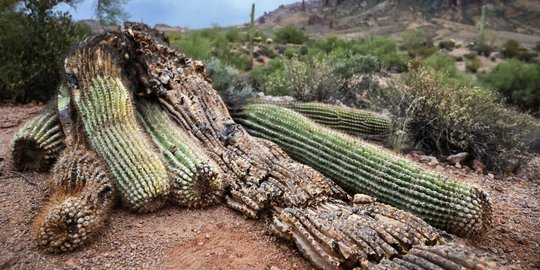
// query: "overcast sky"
[[186, 13]]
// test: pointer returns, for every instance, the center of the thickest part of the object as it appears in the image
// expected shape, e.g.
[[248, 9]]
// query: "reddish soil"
[[216, 238]]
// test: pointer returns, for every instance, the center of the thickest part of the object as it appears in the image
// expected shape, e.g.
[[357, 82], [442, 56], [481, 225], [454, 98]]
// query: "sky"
[[186, 13]]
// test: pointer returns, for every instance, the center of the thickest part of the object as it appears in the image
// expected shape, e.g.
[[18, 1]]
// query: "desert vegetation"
[[314, 135]]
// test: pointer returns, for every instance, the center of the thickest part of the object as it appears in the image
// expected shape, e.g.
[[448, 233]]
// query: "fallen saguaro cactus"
[[368, 231], [446, 256], [81, 201], [361, 123], [38, 143], [364, 168], [109, 122], [308, 208], [196, 180]]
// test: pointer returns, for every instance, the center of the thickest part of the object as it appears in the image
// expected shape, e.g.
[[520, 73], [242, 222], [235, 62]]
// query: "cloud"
[[192, 13]]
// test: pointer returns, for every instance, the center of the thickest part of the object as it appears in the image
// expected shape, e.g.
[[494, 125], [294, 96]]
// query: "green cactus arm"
[[110, 124], [364, 168], [81, 201], [196, 180], [356, 122], [38, 143]]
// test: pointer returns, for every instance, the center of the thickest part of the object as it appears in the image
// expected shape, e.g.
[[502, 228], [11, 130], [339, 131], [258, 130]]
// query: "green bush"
[[447, 119], [259, 74], [230, 83], [346, 65], [517, 82], [417, 44], [33, 42], [473, 65], [290, 34], [512, 49], [444, 64], [447, 45], [385, 50], [208, 43], [234, 35]]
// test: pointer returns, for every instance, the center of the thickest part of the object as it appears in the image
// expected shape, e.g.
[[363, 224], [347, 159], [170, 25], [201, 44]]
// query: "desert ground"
[[218, 238]]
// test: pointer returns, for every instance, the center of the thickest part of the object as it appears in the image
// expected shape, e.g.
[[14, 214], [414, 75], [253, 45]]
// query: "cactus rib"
[[38, 143], [446, 256], [196, 180], [355, 122], [109, 121], [364, 168], [82, 198]]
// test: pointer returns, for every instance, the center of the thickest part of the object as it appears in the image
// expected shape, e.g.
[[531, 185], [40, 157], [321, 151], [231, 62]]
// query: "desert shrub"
[[417, 43], [277, 84], [443, 63], [473, 65], [385, 50], [312, 78], [33, 42], [267, 51], [448, 119], [291, 52], [231, 84], [332, 44], [512, 49], [259, 74], [234, 35], [208, 43], [517, 82], [447, 45], [290, 34], [347, 65]]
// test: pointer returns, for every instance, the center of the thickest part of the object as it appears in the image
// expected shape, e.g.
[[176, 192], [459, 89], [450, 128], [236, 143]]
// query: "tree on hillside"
[[34, 37]]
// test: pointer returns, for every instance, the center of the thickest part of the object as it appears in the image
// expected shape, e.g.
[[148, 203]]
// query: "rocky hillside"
[[506, 19]]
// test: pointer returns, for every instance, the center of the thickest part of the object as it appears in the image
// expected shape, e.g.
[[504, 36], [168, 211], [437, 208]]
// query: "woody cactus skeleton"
[[330, 229]]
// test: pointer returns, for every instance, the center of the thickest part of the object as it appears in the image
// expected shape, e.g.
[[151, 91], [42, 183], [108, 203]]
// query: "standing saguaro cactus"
[[364, 168], [196, 180], [38, 143]]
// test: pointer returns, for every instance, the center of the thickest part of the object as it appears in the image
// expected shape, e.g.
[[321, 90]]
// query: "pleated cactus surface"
[[196, 180], [38, 143], [361, 167], [110, 124], [356, 122]]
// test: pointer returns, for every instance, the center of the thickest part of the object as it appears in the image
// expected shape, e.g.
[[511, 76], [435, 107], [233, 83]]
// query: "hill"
[[512, 19]]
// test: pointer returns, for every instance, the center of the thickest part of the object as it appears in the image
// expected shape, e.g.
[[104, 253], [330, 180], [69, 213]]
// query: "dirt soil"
[[216, 238]]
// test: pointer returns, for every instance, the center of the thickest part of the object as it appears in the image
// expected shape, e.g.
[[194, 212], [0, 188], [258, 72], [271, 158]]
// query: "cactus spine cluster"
[[356, 122], [38, 143], [82, 198], [196, 181], [109, 121], [364, 168]]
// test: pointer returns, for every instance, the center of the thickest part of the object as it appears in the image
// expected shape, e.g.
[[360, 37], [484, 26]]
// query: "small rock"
[[200, 243], [458, 165], [457, 158], [478, 167], [530, 170], [207, 236], [439, 168], [273, 267], [139, 225], [490, 175]]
